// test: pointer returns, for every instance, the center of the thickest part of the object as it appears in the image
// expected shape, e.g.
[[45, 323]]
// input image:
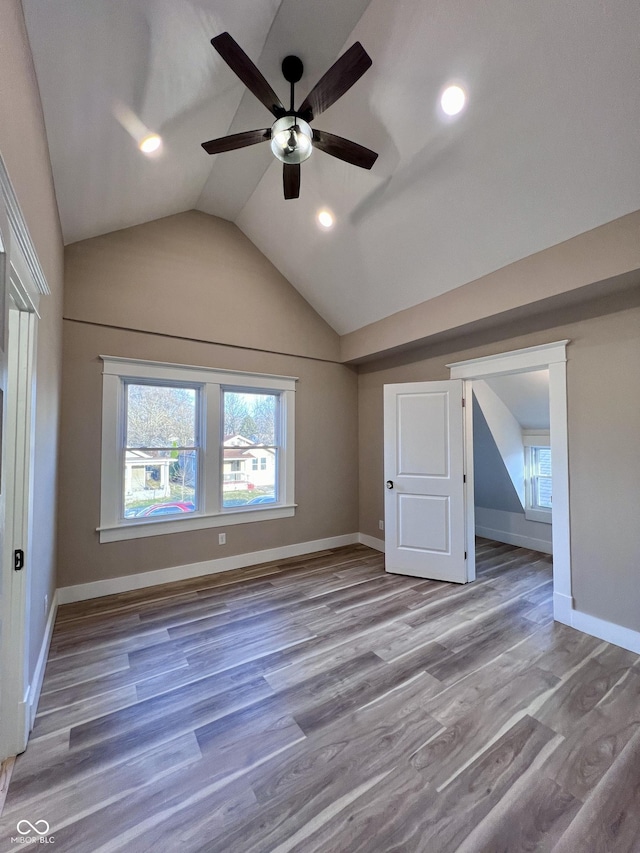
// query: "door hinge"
[[464, 478], [463, 403], [465, 555], [18, 559]]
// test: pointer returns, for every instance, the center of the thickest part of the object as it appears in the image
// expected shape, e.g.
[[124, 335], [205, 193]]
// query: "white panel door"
[[424, 479]]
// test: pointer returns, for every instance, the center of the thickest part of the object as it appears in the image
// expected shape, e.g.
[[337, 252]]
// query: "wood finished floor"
[[319, 704]]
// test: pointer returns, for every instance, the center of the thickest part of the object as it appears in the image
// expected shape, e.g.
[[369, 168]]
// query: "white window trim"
[[114, 529], [534, 439]]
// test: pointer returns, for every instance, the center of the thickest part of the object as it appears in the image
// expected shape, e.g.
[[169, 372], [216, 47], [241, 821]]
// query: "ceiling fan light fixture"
[[291, 139]]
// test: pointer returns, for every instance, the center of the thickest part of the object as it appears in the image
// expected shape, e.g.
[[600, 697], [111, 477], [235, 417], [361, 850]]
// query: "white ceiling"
[[547, 149], [526, 395]]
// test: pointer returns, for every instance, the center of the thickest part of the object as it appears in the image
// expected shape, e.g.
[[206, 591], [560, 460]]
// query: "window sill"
[[543, 515], [139, 529]]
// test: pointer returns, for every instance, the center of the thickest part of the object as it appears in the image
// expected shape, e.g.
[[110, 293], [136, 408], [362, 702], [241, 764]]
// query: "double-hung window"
[[185, 448], [538, 478]]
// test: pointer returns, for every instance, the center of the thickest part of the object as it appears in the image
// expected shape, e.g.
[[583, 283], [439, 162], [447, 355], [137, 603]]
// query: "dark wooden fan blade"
[[291, 179], [344, 149], [339, 78], [239, 62], [236, 140]]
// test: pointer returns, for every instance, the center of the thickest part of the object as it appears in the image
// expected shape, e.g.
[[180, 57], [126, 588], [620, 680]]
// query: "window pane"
[[160, 482], [249, 454], [543, 460], [544, 492], [251, 417], [160, 416]]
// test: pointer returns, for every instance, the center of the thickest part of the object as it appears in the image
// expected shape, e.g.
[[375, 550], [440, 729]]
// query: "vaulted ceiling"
[[547, 147]]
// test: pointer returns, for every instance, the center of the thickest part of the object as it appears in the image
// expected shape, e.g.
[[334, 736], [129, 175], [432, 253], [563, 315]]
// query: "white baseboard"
[[609, 631], [517, 539], [562, 608], [371, 542], [97, 589], [38, 675]]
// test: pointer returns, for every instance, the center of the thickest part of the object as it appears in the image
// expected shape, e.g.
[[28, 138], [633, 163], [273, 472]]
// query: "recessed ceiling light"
[[150, 143], [325, 218], [453, 100]]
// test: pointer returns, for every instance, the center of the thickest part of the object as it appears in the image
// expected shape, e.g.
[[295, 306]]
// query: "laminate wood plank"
[[609, 819], [117, 680], [315, 663], [183, 709], [532, 816], [69, 677], [557, 648], [457, 699], [457, 745], [244, 666], [82, 711], [317, 692], [579, 763], [115, 783], [579, 695], [193, 824], [482, 651], [363, 690], [418, 819], [292, 795], [108, 647], [6, 769]]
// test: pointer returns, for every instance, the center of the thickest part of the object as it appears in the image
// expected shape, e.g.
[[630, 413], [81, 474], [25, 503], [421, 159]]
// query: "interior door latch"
[[18, 559]]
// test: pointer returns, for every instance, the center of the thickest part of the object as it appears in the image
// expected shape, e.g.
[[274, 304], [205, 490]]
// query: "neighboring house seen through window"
[[190, 447]]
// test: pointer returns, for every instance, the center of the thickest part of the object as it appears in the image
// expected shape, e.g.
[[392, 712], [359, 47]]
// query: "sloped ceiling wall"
[[493, 486]]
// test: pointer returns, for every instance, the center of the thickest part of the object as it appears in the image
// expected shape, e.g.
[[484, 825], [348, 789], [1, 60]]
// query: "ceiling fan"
[[292, 139]]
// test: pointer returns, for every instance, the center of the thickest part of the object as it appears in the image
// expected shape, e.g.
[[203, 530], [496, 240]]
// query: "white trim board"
[[371, 542], [20, 231], [126, 583], [514, 539], [35, 688], [608, 631]]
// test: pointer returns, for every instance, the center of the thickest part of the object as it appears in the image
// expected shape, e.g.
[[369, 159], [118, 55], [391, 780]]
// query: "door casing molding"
[[552, 356], [23, 284]]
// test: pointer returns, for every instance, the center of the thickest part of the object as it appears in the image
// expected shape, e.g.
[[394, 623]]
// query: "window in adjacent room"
[[187, 447], [538, 478]]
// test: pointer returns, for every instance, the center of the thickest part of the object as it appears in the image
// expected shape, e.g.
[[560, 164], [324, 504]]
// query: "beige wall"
[[194, 276], [142, 293], [603, 376], [24, 149], [326, 456]]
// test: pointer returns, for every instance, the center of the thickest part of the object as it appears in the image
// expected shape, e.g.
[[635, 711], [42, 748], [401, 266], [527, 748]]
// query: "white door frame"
[[553, 357], [22, 285], [18, 436]]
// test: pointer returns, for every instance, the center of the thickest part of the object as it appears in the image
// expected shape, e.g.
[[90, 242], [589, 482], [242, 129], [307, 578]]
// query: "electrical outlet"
[[381, 524], [222, 538], [46, 604]]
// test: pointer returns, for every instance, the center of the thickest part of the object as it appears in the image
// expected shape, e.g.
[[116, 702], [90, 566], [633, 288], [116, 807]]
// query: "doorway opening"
[[510, 373]]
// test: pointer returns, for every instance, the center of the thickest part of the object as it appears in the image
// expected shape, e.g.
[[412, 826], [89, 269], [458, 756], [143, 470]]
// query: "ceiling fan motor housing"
[[292, 69]]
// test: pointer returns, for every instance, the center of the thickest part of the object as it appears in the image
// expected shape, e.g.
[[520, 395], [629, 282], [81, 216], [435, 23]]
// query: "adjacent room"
[[319, 463]]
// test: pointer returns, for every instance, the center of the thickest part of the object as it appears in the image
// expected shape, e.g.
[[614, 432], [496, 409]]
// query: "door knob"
[[389, 484]]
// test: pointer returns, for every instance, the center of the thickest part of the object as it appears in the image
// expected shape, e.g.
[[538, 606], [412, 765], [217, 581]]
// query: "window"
[[538, 480], [188, 447]]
